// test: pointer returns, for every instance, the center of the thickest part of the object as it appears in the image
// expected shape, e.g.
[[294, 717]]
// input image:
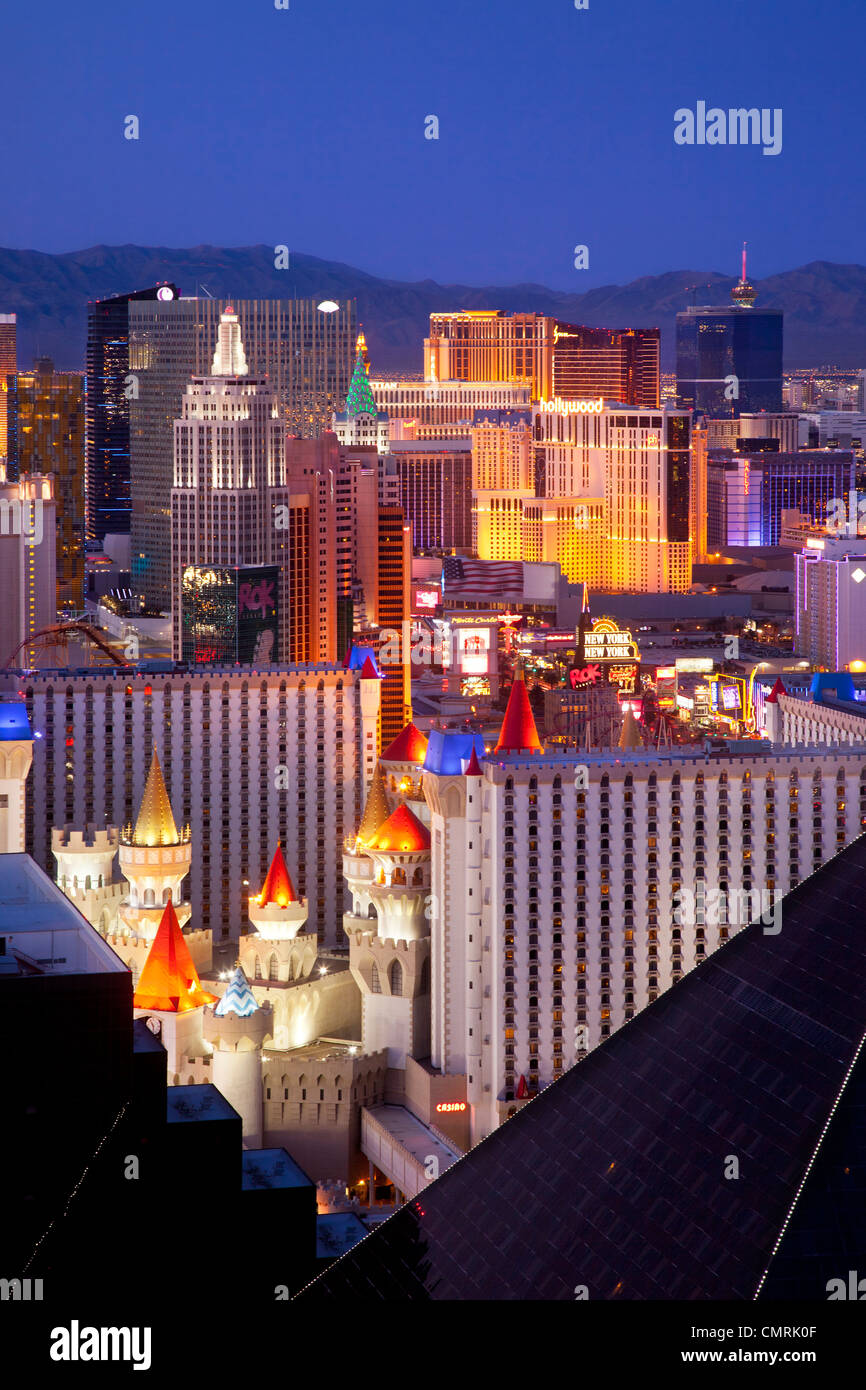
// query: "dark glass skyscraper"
[[108, 391], [8, 368], [305, 351], [729, 360]]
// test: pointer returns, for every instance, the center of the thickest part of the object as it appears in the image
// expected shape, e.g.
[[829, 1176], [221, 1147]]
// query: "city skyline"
[[432, 681]]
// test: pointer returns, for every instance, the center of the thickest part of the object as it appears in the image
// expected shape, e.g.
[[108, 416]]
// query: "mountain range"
[[824, 303]]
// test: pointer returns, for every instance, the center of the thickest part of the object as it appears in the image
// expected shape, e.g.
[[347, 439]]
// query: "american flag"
[[498, 578]]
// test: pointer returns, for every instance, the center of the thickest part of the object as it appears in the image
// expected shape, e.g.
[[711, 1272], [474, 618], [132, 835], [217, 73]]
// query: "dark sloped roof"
[[614, 1177]]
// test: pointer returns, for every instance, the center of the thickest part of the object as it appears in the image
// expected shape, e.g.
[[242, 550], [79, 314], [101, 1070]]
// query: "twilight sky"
[[305, 127]]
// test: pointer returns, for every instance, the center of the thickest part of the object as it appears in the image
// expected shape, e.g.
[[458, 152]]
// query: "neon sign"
[[560, 407], [447, 1107], [607, 642], [586, 675]]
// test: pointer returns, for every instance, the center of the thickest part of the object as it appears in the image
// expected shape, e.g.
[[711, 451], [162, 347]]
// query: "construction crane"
[[57, 635], [693, 290]]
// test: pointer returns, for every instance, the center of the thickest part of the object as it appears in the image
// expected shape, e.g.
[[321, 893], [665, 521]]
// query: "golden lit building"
[[8, 368], [614, 492], [552, 357], [45, 412], [502, 451]]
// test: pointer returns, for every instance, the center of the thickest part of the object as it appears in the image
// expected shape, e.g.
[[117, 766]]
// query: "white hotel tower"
[[229, 476], [553, 903]]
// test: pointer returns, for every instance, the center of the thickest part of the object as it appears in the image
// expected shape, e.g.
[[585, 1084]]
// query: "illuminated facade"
[[608, 496], [830, 604], [305, 352], [727, 433], [361, 422], [441, 409], [28, 567], [436, 492], [555, 901], [501, 528], [8, 368], [502, 451], [85, 872], [250, 758], [553, 358], [729, 360], [372, 550], [46, 435], [614, 493], [229, 508], [751, 490], [109, 391]]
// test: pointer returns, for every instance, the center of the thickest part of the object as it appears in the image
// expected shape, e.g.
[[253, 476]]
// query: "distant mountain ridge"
[[824, 303]]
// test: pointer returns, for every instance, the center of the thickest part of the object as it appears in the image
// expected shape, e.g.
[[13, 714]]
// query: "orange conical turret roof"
[[410, 746], [155, 824], [518, 733], [376, 810], [278, 889], [169, 981], [401, 833]]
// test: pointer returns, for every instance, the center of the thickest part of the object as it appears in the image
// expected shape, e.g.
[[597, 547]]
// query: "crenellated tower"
[[155, 858], [85, 872], [236, 1028], [388, 870], [357, 864], [400, 851], [169, 989]]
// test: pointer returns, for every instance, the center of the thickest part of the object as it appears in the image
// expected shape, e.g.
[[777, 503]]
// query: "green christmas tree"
[[360, 398]]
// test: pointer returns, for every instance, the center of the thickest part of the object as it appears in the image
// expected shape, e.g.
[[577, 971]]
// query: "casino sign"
[[614, 650]]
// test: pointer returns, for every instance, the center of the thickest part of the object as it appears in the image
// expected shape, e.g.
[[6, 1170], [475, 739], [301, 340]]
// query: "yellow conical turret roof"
[[155, 824], [376, 811]]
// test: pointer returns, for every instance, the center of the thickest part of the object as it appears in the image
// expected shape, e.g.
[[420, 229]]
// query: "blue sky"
[[305, 127]]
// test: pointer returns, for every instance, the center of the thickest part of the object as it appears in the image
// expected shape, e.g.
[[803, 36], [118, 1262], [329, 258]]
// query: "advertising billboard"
[[229, 615], [257, 615]]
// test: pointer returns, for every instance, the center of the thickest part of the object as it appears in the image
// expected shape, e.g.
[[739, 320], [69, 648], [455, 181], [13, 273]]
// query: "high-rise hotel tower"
[[230, 582], [554, 358]]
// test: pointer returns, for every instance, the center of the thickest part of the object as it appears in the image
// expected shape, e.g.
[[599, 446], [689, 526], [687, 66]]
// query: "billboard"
[[611, 649], [257, 615], [229, 615]]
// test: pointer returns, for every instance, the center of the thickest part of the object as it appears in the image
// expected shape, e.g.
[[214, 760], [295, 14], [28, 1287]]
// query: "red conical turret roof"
[[169, 981], [401, 833], [473, 767], [410, 746], [778, 689], [278, 890], [518, 733]]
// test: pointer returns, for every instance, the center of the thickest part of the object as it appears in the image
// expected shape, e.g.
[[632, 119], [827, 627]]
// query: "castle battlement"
[[92, 839], [387, 945]]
